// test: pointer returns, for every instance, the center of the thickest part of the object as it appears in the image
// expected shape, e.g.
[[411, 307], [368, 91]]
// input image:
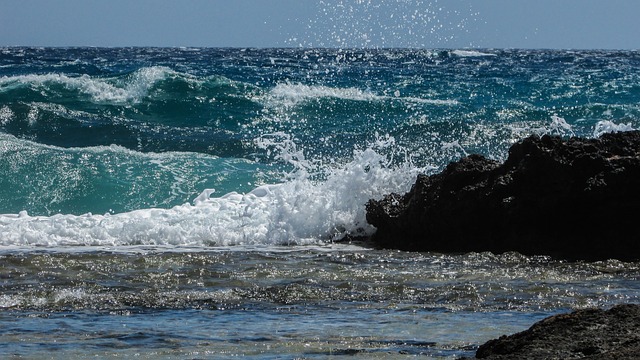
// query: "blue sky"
[[567, 24]]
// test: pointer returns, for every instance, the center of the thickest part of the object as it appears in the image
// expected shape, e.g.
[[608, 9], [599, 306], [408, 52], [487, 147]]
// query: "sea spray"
[[607, 126], [300, 210], [403, 23]]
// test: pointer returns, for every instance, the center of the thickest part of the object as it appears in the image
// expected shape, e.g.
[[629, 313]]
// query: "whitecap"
[[290, 95], [118, 90], [293, 94], [470, 53]]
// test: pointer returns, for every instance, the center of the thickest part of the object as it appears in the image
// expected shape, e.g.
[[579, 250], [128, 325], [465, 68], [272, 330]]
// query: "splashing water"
[[315, 203], [347, 24], [607, 126]]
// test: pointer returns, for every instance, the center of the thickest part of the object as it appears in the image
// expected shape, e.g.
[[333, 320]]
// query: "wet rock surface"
[[572, 199], [583, 334]]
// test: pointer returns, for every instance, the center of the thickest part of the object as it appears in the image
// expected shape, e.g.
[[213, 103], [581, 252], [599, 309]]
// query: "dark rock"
[[583, 334], [572, 199]]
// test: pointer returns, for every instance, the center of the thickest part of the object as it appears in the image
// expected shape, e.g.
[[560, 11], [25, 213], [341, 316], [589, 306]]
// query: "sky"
[[531, 24]]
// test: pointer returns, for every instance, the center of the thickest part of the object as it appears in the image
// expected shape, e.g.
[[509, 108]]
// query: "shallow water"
[[285, 302]]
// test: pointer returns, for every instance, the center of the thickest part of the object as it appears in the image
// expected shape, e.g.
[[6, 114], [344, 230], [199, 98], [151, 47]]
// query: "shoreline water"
[[343, 301]]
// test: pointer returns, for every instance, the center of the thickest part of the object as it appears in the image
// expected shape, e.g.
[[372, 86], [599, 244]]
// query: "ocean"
[[191, 203]]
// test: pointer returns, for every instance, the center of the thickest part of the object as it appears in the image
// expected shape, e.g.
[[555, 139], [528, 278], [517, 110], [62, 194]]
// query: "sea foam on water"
[[300, 210], [101, 90]]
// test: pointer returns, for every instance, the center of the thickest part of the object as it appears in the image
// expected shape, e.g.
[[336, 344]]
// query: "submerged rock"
[[572, 199], [583, 334]]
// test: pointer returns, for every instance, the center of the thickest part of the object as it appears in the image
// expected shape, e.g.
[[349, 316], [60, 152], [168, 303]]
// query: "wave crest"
[[290, 95], [118, 90], [298, 211], [293, 94]]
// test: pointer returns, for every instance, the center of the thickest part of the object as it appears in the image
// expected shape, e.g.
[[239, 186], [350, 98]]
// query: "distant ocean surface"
[[188, 203]]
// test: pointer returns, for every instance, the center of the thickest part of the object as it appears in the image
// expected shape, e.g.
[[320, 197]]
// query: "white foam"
[[607, 126], [431, 101], [470, 53], [6, 115], [290, 95], [110, 90], [142, 179], [559, 126], [298, 211]]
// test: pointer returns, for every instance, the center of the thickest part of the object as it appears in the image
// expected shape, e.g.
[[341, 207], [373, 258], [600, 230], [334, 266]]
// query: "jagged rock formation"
[[572, 199], [583, 334]]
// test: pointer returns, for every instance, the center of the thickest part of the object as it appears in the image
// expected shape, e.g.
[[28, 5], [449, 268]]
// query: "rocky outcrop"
[[583, 334], [571, 199]]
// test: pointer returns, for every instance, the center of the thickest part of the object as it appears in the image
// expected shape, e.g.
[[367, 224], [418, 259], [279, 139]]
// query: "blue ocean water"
[[161, 183]]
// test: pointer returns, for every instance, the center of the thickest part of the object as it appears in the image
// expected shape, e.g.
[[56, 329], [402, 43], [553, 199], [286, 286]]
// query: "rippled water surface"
[[285, 302]]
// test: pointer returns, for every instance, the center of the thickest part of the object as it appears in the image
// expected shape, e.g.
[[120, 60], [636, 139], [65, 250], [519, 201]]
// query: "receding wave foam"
[[298, 211]]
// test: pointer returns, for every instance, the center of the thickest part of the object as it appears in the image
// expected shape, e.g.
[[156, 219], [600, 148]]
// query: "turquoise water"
[[179, 202]]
